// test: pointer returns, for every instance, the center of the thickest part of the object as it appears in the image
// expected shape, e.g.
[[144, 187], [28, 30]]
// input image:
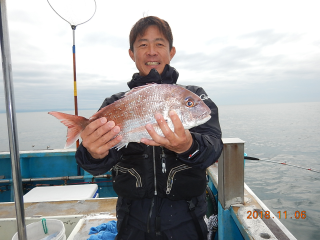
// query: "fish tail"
[[75, 125]]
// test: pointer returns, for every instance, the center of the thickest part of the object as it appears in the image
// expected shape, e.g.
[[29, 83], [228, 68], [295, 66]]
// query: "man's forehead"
[[153, 29]]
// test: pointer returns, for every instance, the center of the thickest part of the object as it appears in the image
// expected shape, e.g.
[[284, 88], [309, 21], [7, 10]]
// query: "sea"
[[285, 137]]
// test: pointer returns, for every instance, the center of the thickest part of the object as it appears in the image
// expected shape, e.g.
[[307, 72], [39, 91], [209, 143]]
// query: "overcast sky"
[[240, 52]]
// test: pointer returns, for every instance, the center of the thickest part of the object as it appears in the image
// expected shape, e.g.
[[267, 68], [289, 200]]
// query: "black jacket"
[[153, 202]]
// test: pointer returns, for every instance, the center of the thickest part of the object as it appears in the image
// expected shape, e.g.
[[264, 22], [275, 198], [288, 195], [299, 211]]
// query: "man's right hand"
[[98, 136]]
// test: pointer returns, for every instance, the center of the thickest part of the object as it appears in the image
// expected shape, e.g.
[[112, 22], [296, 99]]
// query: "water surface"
[[279, 132]]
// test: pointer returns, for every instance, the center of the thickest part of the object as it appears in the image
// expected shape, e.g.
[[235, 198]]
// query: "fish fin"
[[75, 125], [98, 114], [120, 145], [136, 89]]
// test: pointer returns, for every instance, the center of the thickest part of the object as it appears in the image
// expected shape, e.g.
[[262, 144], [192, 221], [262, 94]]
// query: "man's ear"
[[172, 52], [131, 54]]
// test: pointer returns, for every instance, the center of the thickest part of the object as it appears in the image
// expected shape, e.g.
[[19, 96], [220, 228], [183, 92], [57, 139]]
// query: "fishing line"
[[282, 163]]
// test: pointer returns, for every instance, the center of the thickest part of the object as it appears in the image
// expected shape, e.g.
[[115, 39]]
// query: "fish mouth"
[[204, 119], [205, 115], [152, 63]]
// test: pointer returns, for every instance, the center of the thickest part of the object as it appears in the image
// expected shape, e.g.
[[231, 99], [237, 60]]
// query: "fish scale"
[[138, 107], [143, 114]]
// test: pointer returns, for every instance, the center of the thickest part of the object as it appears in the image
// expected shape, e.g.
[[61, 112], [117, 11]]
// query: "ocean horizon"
[[93, 109]]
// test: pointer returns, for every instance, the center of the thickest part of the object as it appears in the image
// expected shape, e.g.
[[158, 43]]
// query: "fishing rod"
[[74, 25], [282, 163]]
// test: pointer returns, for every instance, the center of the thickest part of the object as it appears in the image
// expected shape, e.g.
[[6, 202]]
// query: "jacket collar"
[[169, 76]]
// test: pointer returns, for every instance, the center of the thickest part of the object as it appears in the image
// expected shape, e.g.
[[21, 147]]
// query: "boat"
[[241, 214]]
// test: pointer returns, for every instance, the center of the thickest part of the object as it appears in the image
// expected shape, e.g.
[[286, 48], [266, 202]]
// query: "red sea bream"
[[138, 107]]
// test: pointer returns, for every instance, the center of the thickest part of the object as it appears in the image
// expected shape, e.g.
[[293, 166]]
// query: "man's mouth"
[[152, 63]]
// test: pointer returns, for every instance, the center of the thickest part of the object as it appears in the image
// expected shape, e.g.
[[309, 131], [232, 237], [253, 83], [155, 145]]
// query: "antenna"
[[74, 12]]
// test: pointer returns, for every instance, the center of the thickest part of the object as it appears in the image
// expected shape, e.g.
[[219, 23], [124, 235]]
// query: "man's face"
[[151, 51]]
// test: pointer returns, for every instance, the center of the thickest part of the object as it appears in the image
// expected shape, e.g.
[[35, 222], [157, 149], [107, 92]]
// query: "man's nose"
[[152, 50]]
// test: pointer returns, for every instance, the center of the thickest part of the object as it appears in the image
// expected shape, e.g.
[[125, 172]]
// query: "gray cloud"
[[234, 58], [245, 75], [230, 59], [21, 16], [104, 39], [251, 64], [229, 72], [270, 37]]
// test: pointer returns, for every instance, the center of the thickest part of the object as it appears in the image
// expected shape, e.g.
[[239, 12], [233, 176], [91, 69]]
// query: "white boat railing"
[[237, 201]]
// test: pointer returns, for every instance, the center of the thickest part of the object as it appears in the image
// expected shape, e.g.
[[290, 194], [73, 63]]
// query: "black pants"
[[132, 233], [186, 231]]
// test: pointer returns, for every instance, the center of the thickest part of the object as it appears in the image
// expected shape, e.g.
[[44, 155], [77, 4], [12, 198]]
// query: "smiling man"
[[170, 201], [151, 50]]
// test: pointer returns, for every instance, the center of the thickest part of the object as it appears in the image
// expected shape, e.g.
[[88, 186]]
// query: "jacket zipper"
[[154, 171], [172, 172], [155, 189]]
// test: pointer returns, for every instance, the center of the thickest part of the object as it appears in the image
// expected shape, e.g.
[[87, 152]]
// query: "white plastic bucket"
[[56, 231]]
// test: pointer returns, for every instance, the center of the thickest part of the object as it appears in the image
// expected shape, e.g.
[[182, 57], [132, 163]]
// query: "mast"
[[11, 121]]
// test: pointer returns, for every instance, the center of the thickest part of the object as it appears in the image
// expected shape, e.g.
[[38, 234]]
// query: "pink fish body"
[[138, 107]]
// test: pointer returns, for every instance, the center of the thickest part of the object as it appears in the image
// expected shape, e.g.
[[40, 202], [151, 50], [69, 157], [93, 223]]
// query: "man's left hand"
[[178, 141]]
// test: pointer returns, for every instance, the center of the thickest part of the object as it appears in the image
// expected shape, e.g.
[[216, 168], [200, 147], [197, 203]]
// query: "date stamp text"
[[280, 215]]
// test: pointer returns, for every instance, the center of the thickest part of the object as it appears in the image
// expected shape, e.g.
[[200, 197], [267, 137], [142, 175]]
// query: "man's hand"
[[178, 141], [98, 136]]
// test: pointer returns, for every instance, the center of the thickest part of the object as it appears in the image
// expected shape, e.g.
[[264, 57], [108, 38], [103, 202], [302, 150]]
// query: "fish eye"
[[189, 102]]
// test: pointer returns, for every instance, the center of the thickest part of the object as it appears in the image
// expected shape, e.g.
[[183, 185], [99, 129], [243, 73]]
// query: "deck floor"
[[61, 208], [81, 231]]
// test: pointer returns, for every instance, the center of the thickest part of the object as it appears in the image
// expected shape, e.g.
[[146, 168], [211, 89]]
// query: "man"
[[170, 203]]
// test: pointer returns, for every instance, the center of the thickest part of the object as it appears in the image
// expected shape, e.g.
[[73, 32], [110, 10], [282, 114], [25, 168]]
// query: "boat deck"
[[78, 216], [81, 230], [61, 208], [236, 221]]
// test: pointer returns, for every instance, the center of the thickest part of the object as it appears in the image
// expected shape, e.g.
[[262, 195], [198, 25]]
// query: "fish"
[[137, 108]]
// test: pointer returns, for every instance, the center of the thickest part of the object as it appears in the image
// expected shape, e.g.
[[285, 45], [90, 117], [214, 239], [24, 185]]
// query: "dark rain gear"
[[157, 204]]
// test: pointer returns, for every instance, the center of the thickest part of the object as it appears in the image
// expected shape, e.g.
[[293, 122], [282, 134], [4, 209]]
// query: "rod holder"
[[231, 173]]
